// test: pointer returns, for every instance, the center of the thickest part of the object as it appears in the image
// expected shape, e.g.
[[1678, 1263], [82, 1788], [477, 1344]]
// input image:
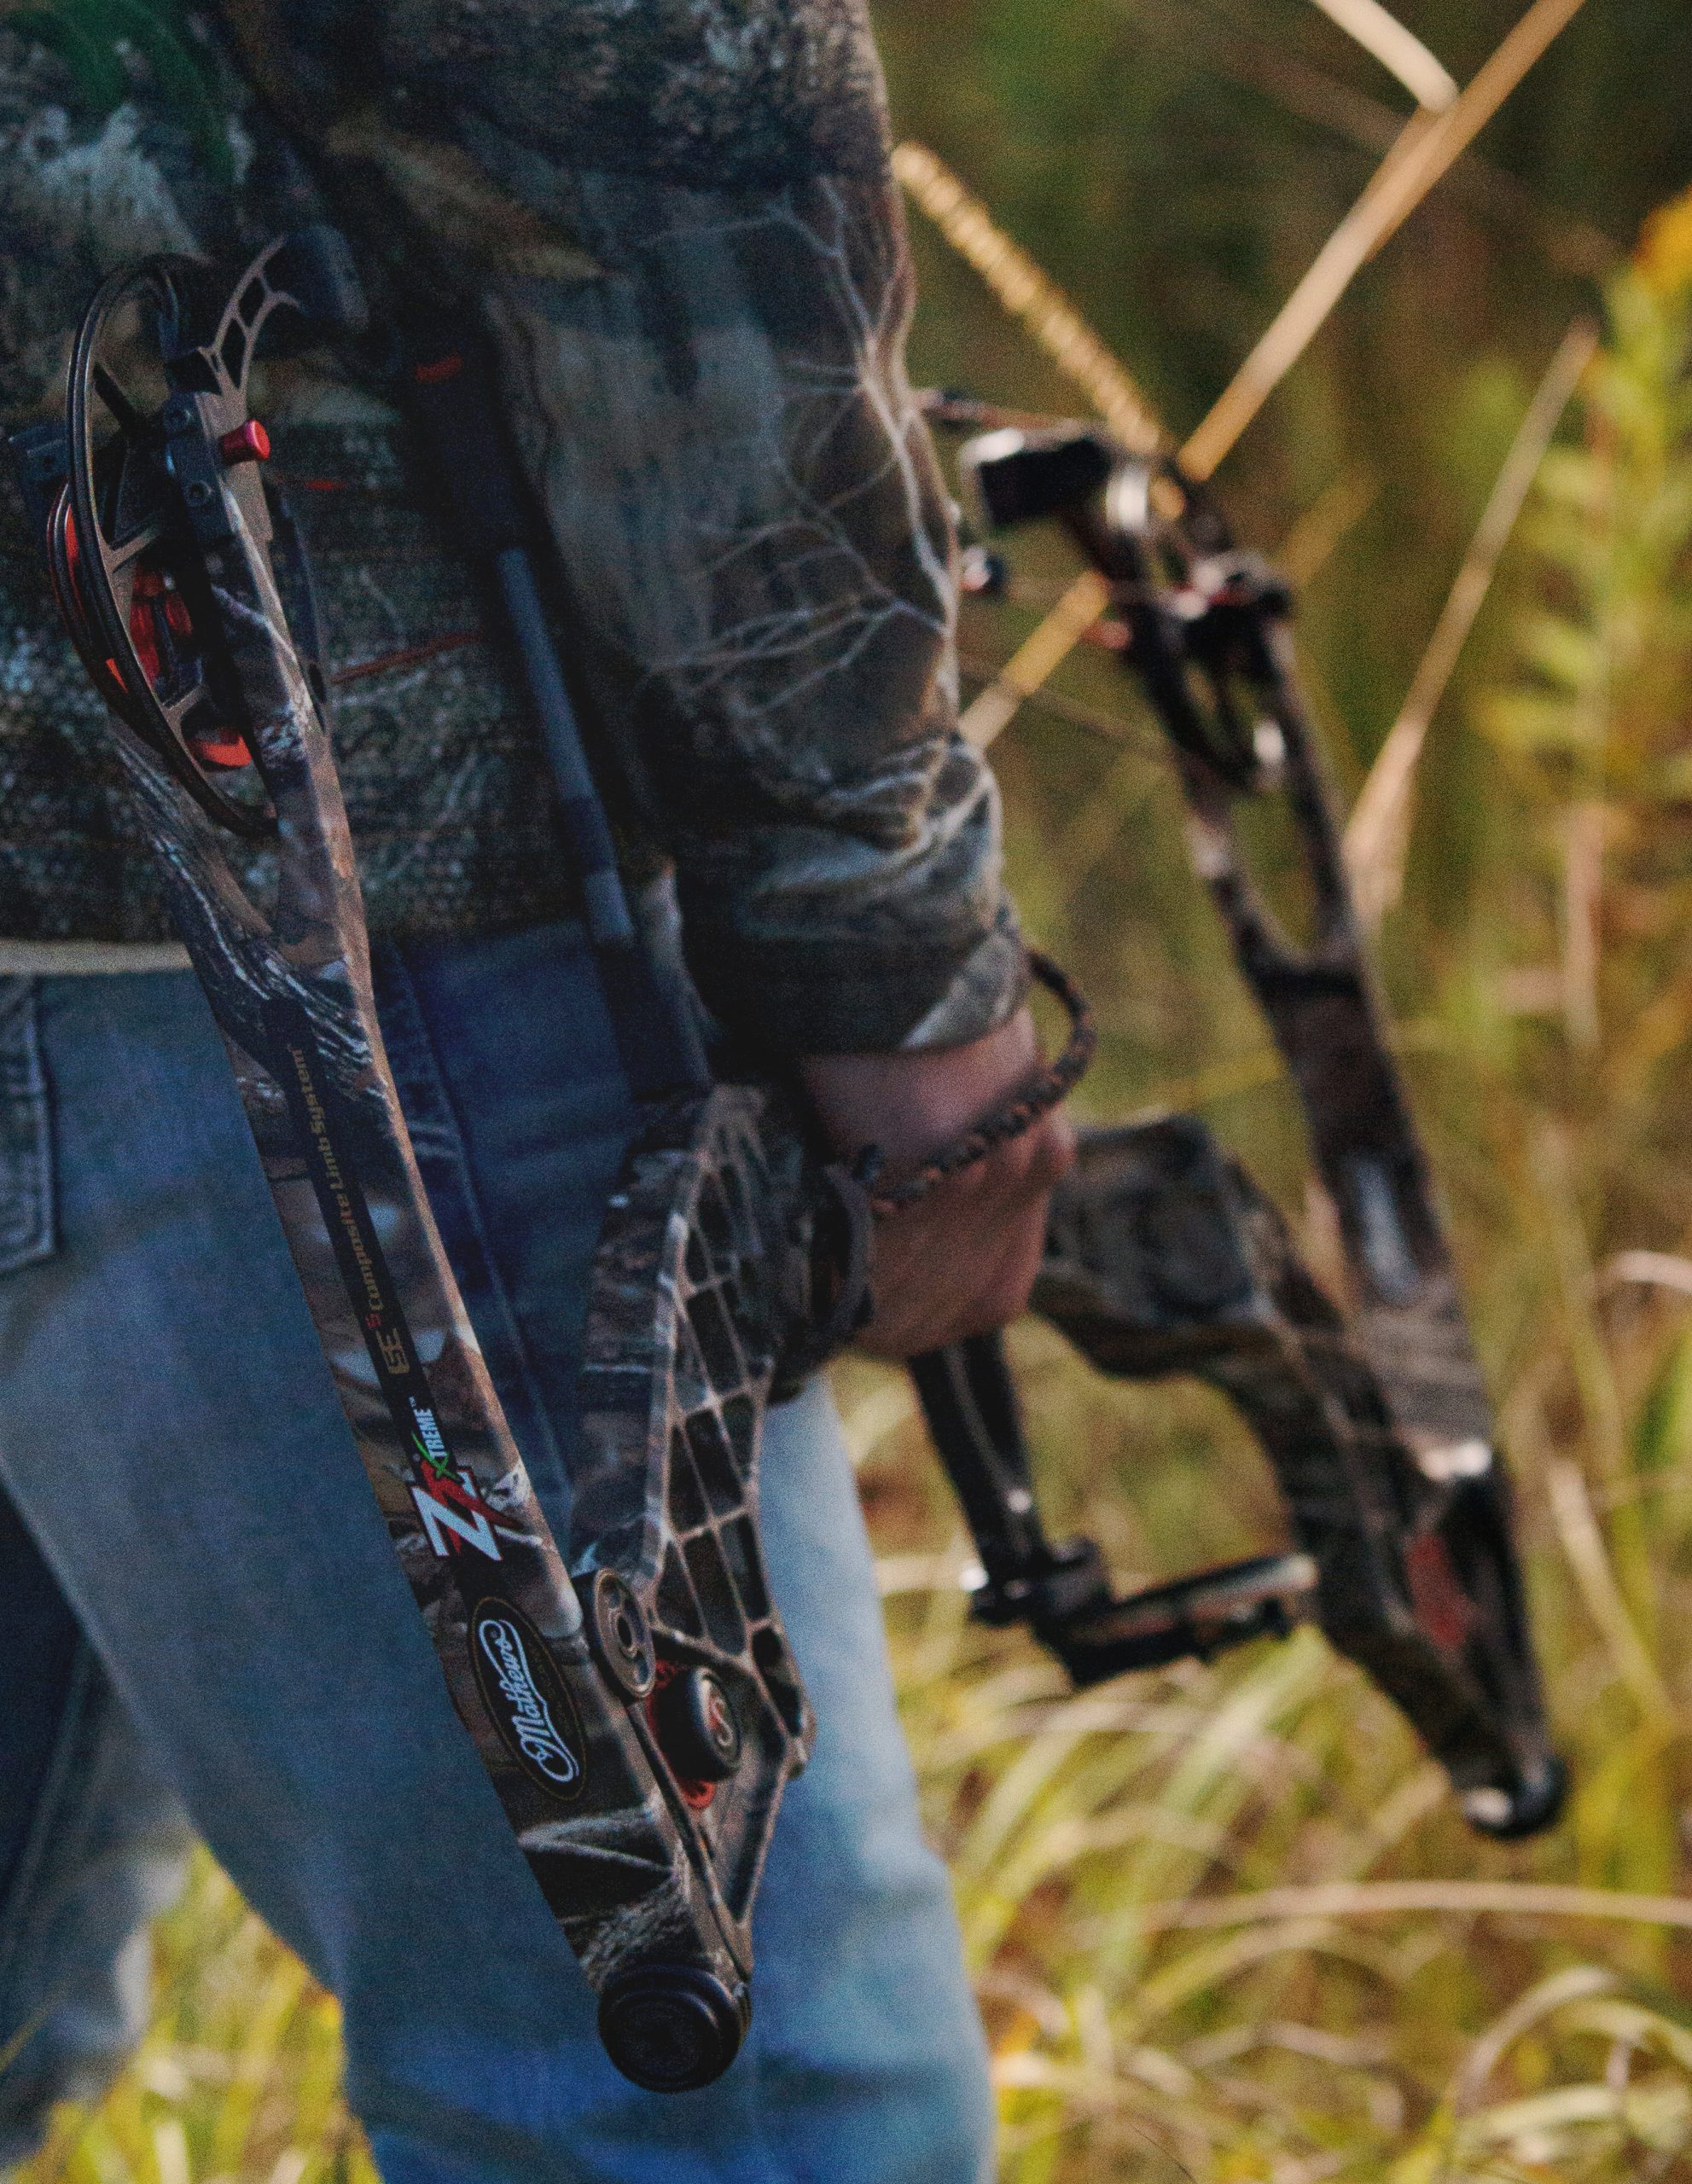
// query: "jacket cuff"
[[862, 994]]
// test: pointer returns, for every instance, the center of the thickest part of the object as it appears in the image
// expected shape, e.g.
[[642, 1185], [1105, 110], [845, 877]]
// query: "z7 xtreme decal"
[[453, 1513]]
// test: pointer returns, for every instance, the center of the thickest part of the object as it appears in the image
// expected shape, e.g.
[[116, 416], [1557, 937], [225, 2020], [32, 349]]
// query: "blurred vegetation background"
[[1175, 165]]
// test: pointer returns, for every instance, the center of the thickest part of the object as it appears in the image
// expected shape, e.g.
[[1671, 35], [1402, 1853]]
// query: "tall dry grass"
[[239, 2078]]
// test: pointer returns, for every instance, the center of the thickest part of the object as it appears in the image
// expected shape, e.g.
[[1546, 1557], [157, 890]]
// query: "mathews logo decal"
[[526, 1698]]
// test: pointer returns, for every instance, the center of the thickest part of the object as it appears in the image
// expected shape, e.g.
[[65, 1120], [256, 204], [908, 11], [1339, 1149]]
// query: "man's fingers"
[[1052, 1152], [963, 1261]]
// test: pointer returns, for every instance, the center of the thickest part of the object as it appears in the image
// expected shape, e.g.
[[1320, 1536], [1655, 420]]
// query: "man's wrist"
[[910, 1105]]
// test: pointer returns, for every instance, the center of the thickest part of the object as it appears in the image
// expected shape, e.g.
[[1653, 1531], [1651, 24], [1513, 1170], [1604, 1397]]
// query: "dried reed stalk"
[[1421, 159], [1388, 1898], [1418, 161], [1378, 834], [1399, 50], [1029, 296]]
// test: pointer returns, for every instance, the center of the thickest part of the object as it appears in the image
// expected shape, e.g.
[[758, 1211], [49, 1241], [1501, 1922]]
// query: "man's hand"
[[963, 1260]]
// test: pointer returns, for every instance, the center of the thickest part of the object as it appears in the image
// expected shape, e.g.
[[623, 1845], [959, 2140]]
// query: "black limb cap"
[[672, 2028], [1531, 1803]]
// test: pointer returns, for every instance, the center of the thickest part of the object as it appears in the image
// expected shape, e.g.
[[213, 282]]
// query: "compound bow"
[[1164, 1256]]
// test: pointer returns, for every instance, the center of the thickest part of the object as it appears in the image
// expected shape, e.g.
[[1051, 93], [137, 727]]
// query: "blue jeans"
[[202, 1613]]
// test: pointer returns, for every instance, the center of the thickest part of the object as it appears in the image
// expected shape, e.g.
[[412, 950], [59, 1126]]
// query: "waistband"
[[88, 959]]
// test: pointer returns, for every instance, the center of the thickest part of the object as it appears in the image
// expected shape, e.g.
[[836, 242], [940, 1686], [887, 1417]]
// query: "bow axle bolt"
[[621, 1634], [697, 1727]]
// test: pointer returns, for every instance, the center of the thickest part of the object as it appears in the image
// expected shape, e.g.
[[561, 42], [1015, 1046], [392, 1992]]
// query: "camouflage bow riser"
[[638, 1709], [688, 1334], [1165, 1258]]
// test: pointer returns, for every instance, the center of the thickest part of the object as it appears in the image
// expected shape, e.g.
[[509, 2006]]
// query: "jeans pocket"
[[26, 1231]]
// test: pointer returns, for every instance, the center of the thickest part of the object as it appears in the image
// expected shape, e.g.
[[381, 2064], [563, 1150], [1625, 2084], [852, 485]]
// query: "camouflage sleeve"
[[680, 222]]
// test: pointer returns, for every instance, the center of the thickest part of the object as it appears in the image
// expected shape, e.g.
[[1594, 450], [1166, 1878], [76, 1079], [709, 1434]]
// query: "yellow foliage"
[[1664, 254]]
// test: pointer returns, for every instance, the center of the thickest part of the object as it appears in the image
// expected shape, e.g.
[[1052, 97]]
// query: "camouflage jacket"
[[678, 224]]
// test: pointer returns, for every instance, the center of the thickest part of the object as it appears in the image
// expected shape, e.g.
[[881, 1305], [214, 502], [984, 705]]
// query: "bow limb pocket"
[[26, 1212]]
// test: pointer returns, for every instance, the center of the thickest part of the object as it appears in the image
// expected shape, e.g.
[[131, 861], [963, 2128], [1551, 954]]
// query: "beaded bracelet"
[[1054, 1084]]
